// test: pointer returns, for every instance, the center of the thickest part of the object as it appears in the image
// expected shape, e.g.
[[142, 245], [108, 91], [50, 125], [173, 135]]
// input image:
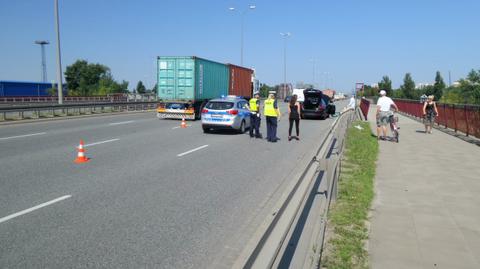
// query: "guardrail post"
[[445, 115], [454, 118], [466, 118]]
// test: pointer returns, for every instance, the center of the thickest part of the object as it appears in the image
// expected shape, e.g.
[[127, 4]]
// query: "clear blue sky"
[[351, 40]]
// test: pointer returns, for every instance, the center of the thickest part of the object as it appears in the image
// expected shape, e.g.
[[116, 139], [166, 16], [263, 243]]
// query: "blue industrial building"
[[25, 88]]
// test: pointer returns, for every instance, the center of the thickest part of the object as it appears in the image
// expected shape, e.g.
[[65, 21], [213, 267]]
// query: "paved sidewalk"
[[426, 212]]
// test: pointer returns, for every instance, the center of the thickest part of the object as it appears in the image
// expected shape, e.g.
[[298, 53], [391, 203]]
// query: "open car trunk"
[[313, 99]]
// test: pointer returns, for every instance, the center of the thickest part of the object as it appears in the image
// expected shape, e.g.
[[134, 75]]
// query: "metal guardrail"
[[293, 237], [38, 111], [73, 99]]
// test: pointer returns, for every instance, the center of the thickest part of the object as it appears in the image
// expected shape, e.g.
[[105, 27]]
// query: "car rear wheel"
[[242, 128]]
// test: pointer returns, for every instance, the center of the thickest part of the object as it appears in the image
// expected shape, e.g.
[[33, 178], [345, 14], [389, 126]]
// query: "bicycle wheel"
[[397, 135]]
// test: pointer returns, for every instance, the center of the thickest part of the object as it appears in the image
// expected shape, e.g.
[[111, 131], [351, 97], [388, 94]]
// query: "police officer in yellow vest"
[[255, 116], [272, 113]]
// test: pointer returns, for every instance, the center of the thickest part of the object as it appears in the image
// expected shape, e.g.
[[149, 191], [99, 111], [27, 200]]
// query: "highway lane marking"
[[19, 136], [192, 150], [180, 127], [101, 142], [23, 212], [121, 122]]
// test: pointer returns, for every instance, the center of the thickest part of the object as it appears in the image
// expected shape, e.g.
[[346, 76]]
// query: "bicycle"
[[394, 127]]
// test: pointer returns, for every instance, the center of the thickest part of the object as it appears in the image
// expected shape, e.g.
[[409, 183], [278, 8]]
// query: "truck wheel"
[[206, 130]]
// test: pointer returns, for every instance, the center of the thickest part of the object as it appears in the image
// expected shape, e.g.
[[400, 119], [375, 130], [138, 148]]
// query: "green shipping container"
[[191, 78]]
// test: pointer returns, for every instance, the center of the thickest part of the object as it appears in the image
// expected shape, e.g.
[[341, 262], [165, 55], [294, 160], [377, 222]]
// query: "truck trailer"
[[186, 83]]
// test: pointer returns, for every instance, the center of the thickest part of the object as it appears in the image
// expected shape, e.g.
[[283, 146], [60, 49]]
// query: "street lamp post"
[[251, 7], [59, 59], [313, 61], [326, 79], [42, 44], [285, 36]]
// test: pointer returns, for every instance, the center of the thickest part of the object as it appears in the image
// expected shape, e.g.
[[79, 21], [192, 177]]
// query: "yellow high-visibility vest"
[[253, 105], [269, 109]]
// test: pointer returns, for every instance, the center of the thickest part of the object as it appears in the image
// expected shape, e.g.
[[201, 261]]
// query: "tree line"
[[90, 79], [465, 91]]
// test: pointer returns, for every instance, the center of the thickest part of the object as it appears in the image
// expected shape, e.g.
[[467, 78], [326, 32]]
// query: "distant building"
[[10, 88], [422, 85], [283, 90], [456, 84]]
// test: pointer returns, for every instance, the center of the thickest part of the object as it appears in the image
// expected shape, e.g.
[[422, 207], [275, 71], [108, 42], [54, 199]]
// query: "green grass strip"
[[347, 232]]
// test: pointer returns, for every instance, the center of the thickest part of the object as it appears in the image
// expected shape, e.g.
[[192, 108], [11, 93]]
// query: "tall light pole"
[[326, 79], [251, 7], [42, 44], [59, 59], [285, 36], [313, 61]]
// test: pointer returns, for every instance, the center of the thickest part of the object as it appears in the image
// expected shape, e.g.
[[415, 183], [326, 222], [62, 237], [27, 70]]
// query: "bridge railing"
[[459, 117], [364, 107], [74, 99], [39, 111]]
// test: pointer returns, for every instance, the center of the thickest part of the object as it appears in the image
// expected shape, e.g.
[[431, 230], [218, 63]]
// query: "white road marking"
[[120, 123], [180, 127], [190, 151], [19, 136], [101, 142], [23, 212]]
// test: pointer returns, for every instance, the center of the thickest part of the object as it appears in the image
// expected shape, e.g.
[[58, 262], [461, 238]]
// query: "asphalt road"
[[145, 199]]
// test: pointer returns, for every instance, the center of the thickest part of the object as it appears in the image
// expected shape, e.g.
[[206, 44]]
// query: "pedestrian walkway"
[[426, 211]]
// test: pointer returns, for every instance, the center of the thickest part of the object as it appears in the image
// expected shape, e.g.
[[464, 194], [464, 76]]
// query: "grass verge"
[[346, 228]]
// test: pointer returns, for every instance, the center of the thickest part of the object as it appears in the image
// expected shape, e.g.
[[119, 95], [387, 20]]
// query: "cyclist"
[[384, 105]]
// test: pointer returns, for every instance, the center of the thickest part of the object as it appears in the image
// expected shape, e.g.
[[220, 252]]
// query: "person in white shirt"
[[351, 104], [384, 104]]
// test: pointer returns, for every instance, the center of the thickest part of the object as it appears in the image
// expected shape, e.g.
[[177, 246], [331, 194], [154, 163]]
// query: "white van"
[[299, 93]]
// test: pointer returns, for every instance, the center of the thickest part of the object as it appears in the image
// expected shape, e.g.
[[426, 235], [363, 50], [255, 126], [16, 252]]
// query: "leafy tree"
[[83, 78], [264, 89], [474, 76], [370, 91], [452, 95], [408, 87], [86, 79], [140, 89], [53, 91], [471, 88], [155, 89], [397, 94], [438, 87], [385, 84], [429, 90]]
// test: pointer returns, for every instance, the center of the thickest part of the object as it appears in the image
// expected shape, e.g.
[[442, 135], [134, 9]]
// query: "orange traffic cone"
[[183, 124], [81, 158]]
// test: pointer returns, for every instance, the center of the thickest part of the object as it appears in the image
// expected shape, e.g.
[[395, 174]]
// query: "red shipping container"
[[240, 83]]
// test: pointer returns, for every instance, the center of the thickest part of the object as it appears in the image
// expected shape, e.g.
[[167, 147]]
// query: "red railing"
[[364, 106], [463, 118]]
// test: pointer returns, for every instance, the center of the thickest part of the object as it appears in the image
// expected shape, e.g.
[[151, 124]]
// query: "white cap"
[[382, 93]]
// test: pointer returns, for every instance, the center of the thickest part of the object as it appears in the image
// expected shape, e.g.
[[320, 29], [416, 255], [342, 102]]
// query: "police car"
[[225, 113]]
